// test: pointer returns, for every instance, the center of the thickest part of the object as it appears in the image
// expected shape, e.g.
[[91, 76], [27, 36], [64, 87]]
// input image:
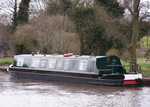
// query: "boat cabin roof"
[[61, 56]]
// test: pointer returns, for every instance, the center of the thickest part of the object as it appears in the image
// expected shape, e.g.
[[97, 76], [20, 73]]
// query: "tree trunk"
[[147, 40], [132, 53], [81, 45], [15, 16], [135, 23]]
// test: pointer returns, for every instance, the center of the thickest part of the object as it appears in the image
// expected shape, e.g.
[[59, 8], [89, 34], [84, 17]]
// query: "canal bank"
[[146, 80]]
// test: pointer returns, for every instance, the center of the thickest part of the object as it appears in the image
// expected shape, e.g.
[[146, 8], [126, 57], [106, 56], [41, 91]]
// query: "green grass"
[[143, 41], [2, 62], [145, 66]]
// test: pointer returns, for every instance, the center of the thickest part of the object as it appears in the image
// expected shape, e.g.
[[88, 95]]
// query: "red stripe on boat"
[[130, 82]]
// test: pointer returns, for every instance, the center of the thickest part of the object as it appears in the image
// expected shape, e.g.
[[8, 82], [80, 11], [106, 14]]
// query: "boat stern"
[[132, 79]]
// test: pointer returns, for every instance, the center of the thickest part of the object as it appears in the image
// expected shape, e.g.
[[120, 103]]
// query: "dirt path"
[[142, 50], [4, 66]]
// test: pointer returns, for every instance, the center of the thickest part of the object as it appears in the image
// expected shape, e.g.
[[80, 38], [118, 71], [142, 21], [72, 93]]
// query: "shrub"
[[123, 53], [147, 55], [49, 34]]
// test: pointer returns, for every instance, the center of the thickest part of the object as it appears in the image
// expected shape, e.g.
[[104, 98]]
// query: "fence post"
[[132, 63]]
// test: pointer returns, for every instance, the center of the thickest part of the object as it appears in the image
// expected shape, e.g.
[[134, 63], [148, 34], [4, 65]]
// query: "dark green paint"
[[102, 65]]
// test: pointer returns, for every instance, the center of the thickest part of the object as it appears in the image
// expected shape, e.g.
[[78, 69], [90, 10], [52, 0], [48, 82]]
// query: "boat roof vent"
[[38, 51]]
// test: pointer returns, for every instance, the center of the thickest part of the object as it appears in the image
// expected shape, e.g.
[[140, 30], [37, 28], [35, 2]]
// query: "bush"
[[147, 55], [49, 34], [123, 53]]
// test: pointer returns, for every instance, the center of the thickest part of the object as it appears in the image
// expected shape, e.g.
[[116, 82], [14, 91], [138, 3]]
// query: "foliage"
[[143, 41], [144, 27], [97, 31], [99, 42], [122, 53], [112, 7], [126, 29], [50, 34], [14, 16], [82, 18], [23, 11], [91, 32], [58, 7], [27, 41], [147, 55]]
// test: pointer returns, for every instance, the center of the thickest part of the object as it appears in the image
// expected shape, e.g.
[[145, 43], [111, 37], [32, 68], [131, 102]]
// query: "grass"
[[145, 66], [143, 41], [2, 62]]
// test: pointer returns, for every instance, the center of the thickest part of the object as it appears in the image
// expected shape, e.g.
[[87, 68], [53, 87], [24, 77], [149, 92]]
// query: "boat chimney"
[[32, 53], [44, 55]]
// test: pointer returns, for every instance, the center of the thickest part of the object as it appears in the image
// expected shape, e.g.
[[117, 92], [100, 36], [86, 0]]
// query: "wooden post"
[[132, 63]]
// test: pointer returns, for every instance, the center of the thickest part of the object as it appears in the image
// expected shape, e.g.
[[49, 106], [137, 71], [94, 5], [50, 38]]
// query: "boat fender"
[[9, 67], [139, 81]]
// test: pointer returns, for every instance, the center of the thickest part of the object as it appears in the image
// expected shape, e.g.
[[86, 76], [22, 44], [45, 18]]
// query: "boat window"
[[59, 64], [52, 63], [73, 65], [27, 62], [82, 65], [66, 62], [43, 63], [35, 62], [90, 66], [20, 61]]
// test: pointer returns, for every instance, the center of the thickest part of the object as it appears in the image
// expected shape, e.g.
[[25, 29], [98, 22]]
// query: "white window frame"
[[82, 65], [52, 63], [20, 61], [35, 62], [66, 63]]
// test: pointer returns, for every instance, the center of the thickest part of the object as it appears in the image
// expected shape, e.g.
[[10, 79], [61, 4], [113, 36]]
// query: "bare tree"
[[138, 11], [55, 34], [10, 9]]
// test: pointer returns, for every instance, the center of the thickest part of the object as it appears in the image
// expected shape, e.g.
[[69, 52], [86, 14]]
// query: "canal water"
[[33, 93]]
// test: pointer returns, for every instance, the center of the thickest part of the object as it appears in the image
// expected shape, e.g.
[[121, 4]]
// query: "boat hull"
[[71, 77], [65, 78]]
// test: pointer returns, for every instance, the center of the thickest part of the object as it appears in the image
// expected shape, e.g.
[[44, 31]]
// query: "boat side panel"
[[64, 78], [76, 74]]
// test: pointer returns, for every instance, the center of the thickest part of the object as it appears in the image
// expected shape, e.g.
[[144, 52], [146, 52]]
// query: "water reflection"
[[34, 93]]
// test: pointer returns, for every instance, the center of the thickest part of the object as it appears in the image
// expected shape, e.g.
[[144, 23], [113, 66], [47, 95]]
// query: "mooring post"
[[132, 66]]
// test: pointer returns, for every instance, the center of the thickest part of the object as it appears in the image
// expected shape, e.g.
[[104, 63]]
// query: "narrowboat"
[[81, 69]]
